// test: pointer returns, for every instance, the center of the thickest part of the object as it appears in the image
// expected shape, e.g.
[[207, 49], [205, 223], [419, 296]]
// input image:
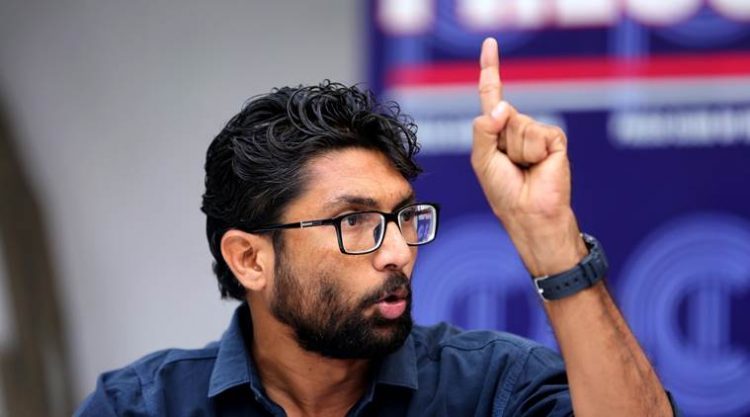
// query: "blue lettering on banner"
[[695, 263]]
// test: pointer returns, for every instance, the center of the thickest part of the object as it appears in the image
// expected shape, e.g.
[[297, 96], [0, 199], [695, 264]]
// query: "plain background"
[[114, 104]]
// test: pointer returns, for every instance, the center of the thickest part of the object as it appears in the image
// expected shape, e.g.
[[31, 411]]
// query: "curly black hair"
[[255, 166]]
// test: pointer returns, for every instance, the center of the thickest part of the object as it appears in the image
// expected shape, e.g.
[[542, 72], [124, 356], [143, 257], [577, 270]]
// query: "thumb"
[[488, 132]]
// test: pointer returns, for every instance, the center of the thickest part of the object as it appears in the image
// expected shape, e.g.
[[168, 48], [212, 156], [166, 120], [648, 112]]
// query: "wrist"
[[548, 247], [587, 273]]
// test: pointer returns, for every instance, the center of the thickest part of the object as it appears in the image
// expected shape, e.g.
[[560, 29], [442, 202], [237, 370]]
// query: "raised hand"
[[523, 168], [524, 171]]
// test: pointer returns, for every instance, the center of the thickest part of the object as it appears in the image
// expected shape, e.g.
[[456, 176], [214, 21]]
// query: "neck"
[[302, 382]]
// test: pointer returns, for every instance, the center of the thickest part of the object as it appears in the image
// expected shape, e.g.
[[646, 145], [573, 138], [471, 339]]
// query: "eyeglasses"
[[363, 232]]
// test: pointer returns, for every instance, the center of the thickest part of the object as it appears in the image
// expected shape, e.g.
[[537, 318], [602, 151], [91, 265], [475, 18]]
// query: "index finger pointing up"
[[490, 86]]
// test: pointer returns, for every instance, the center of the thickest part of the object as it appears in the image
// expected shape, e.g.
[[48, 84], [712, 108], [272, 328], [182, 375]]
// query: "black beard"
[[324, 323]]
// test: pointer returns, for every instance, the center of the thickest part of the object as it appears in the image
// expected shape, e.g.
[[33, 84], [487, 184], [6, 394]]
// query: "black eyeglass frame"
[[336, 223]]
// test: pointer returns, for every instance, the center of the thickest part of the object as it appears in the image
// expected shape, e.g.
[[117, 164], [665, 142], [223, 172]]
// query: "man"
[[313, 222]]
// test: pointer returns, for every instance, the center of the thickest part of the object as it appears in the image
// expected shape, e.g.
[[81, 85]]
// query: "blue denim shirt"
[[439, 371]]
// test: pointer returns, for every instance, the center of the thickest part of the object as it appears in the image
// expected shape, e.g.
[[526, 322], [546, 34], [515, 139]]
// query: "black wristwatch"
[[588, 272]]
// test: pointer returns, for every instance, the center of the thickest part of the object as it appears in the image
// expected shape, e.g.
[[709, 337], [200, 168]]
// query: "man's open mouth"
[[395, 295]]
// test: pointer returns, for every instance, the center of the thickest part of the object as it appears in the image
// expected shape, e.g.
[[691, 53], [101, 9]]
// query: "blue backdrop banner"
[[655, 100]]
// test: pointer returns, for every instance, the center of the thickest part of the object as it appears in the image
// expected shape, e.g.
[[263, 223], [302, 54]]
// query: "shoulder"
[[151, 368], [157, 365], [487, 370], [443, 338], [135, 388], [444, 349]]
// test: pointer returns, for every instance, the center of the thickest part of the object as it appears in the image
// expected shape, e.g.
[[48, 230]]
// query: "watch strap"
[[592, 268]]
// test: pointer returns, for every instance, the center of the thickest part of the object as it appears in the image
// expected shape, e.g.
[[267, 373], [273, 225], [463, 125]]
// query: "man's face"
[[339, 305]]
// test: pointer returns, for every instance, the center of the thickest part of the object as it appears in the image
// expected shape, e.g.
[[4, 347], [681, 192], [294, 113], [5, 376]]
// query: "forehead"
[[336, 176]]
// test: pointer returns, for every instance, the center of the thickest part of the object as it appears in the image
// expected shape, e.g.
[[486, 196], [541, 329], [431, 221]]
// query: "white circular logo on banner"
[[676, 291], [471, 276]]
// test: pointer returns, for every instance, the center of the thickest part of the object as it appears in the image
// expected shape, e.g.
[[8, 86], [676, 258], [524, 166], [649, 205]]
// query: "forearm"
[[608, 371]]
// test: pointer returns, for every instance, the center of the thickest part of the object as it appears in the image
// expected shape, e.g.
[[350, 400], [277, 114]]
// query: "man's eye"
[[353, 219], [407, 215]]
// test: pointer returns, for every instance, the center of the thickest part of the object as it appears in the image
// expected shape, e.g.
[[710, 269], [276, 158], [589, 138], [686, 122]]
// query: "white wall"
[[114, 103]]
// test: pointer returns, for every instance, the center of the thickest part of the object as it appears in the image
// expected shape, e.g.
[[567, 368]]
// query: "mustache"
[[396, 281]]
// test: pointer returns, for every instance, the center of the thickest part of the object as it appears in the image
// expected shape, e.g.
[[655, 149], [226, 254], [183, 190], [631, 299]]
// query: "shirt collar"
[[234, 366], [400, 367]]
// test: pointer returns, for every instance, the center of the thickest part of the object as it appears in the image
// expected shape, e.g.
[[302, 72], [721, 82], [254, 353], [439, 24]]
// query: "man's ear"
[[249, 256]]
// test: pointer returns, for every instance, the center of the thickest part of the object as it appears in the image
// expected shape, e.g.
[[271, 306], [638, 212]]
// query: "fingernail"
[[499, 110]]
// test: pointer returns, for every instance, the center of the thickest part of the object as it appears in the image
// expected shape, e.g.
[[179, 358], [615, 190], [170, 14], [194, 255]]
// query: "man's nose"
[[394, 253]]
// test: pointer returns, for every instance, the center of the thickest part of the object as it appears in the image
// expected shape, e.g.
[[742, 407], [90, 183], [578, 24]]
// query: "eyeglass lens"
[[363, 232]]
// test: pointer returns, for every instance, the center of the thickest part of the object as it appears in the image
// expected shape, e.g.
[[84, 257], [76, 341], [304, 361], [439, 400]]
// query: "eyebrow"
[[355, 200]]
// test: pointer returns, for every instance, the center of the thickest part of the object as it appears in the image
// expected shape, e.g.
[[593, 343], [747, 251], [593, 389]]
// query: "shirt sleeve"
[[541, 389], [117, 394]]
